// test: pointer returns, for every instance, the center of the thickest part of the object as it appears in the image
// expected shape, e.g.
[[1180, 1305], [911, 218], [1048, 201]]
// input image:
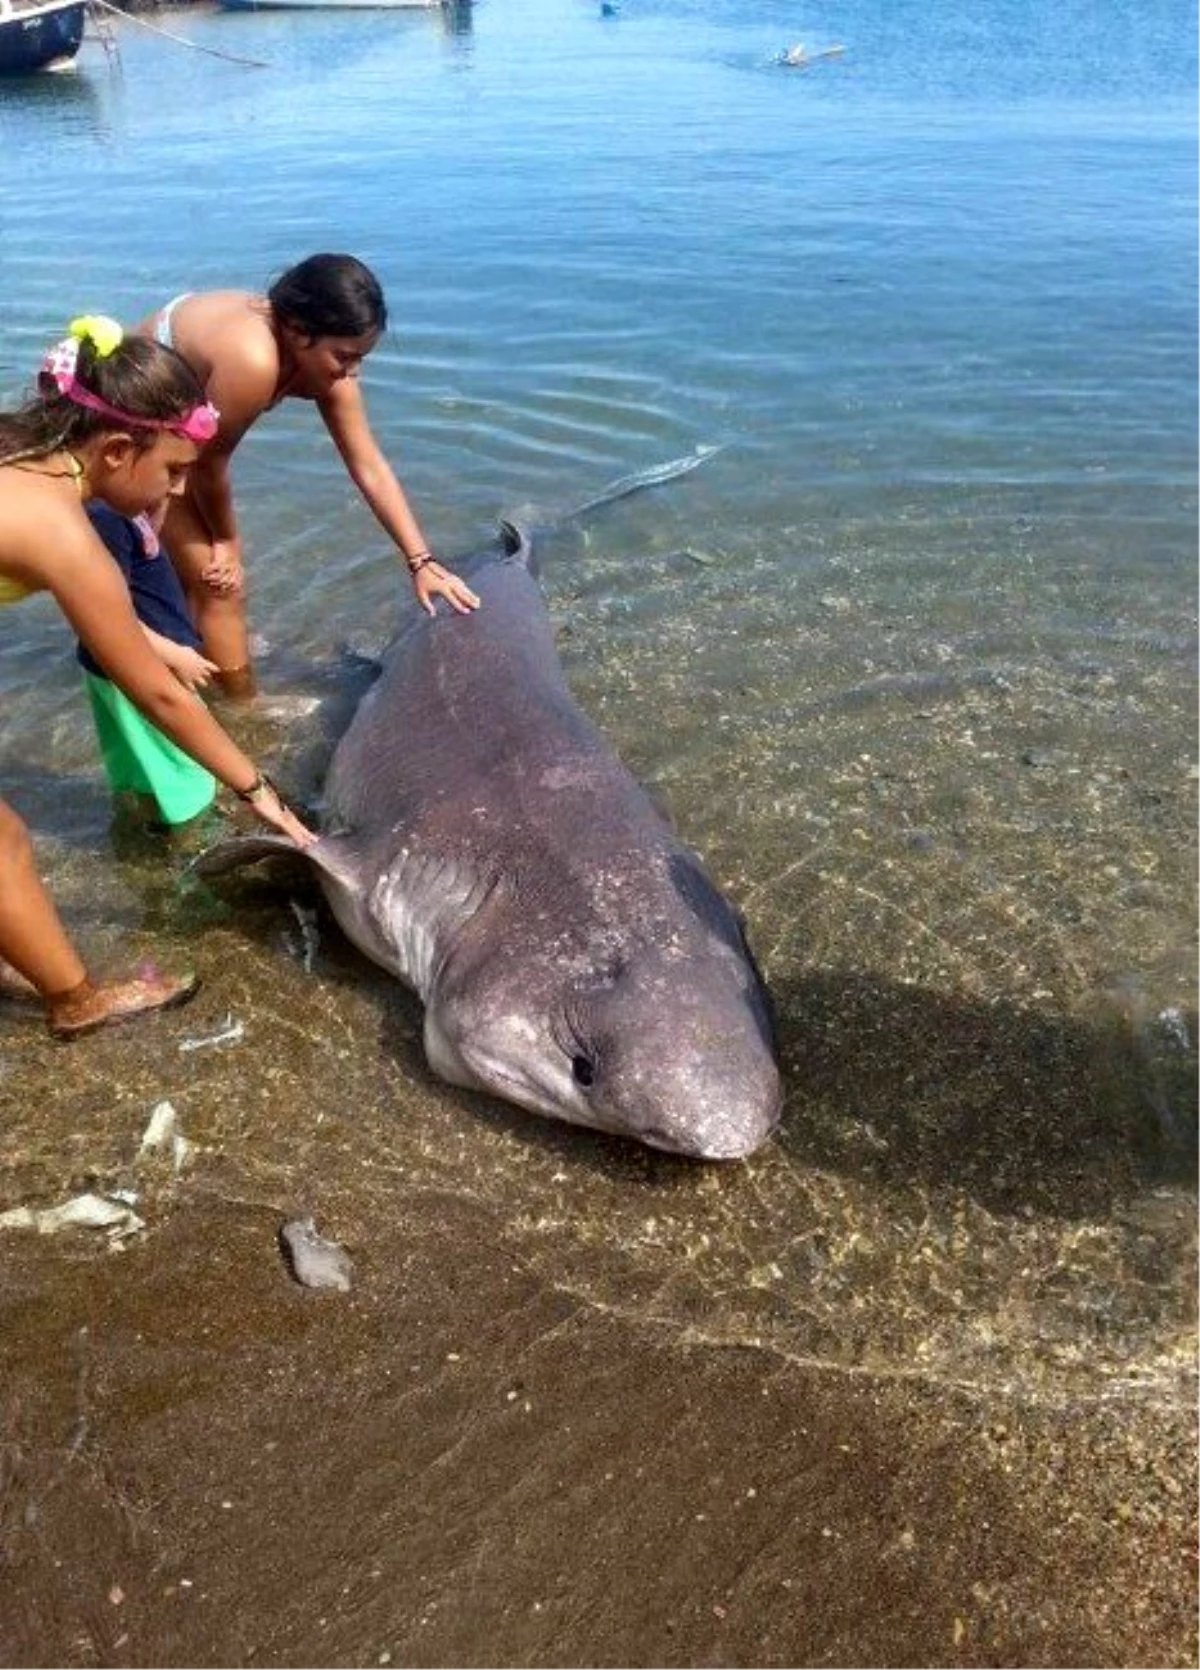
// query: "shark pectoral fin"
[[239, 850], [328, 854], [339, 857]]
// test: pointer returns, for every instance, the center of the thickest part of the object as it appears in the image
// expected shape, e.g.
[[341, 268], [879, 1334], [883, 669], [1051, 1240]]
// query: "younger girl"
[[145, 769], [120, 420], [305, 339]]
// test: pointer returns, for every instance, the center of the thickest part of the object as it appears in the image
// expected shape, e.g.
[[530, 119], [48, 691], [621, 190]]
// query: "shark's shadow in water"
[[1024, 1109]]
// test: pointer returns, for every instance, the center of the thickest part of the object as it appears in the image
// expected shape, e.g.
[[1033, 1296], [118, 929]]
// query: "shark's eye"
[[583, 1071]]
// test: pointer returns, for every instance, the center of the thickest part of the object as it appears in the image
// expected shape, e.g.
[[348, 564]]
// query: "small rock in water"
[[315, 1262]]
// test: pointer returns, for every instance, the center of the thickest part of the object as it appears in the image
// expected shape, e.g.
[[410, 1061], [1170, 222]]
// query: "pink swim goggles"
[[199, 425]]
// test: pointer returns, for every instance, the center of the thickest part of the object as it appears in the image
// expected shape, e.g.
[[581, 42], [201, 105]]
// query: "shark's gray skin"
[[486, 845]]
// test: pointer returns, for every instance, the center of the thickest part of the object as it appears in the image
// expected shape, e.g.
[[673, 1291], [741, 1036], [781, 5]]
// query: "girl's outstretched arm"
[[91, 591], [345, 414], [189, 666]]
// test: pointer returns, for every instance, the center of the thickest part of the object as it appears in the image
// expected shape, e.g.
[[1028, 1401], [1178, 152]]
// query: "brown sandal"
[[88, 1007]]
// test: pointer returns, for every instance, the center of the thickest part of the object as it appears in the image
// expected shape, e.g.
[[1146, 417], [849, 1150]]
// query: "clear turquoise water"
[[941, 287], [912, 655]]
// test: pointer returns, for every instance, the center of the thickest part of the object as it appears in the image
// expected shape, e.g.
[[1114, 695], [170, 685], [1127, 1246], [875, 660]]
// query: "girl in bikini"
[[305, 339], [122, 420]]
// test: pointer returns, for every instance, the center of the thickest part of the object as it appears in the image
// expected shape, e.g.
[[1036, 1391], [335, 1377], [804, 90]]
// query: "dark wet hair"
[[139, 377], [329, 295]]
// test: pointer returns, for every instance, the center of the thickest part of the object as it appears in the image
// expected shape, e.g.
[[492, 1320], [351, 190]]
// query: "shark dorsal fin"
[[517, 540]]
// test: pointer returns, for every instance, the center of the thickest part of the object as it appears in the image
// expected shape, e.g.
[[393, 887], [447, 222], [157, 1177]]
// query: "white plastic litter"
[[163, 1134], [85, 1211], [230, 1033]]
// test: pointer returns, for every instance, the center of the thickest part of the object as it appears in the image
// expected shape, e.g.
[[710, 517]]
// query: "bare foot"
[[90, 1006]]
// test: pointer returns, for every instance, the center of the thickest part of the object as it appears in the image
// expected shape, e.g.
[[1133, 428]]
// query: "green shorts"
[[139, 759]]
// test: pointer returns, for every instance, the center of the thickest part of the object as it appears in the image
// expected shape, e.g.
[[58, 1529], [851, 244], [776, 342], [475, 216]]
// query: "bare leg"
[[238, 683], [220, 617], [34, 942], [32, 936]]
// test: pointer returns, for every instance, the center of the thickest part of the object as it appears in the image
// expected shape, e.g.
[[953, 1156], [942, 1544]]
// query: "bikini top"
[[12, 591]]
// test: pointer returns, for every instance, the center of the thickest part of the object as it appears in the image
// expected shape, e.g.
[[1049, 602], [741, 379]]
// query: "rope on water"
[[132, 17]]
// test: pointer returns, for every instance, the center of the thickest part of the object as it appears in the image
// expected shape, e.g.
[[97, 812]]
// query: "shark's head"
[[670, 1044]]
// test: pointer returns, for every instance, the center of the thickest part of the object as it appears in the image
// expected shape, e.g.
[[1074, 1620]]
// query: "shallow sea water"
[[911, 656]]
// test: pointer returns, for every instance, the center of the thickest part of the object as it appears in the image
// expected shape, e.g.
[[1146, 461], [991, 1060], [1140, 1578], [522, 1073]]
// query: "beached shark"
[[484, 843]]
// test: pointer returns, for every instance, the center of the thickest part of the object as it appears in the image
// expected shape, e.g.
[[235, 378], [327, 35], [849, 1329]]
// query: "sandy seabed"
[[466, 1460], [915, 1385]]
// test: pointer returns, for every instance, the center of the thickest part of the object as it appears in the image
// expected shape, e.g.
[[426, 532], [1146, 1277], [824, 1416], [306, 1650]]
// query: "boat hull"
[[44, 37]]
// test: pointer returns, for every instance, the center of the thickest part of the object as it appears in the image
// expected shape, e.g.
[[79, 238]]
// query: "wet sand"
[[465, 1460], [458, 1464]]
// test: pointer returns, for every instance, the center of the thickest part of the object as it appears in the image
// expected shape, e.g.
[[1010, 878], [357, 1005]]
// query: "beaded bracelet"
[[261, 782], [423, 561]]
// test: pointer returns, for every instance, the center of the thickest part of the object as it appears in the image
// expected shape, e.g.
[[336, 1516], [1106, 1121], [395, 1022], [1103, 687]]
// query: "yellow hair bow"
[[103, 333]]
